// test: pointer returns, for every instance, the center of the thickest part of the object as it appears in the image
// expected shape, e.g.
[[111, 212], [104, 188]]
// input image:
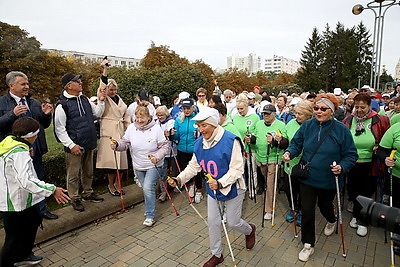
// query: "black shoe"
[[260, 191], [31, 260], [115, 193], [93, 197], [49, 216], [77, 205]]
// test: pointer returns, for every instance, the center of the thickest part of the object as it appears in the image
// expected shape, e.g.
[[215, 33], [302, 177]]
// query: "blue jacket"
[[186, 133], [338, 146]]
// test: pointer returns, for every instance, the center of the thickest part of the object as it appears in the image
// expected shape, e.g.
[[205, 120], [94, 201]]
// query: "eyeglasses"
[[323, 109], [78, 81], [201, 95]]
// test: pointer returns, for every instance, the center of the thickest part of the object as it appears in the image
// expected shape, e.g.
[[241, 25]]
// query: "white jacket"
[[19, 186]]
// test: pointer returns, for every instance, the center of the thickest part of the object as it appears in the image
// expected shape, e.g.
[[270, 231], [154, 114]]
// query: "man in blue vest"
[[19, 103], [74, 127]]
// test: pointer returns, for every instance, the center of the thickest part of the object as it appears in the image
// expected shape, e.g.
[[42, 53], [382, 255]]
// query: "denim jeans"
[[148, 180]]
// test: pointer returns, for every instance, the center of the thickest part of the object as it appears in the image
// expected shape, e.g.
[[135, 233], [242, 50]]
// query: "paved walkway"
[[122, 240]]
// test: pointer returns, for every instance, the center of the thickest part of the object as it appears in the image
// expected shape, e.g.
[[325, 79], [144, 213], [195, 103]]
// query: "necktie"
[[28, 112]]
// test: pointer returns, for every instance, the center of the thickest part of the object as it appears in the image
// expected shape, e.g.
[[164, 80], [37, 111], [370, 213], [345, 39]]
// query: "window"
[[116, 62], [123, 62]]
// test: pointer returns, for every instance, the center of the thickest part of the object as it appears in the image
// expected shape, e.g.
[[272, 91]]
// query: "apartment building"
[[279, 64]]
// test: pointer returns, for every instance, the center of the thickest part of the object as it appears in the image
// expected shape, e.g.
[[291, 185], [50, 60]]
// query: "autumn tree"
[[161, 56]]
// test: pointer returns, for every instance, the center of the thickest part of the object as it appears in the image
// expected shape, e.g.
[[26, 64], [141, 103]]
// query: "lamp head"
[[357, 9]]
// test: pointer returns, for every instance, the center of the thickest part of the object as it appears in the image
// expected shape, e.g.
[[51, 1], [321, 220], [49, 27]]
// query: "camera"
[[379, 215]]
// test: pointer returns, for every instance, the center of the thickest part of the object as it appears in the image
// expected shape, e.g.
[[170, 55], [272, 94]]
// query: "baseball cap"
[[144, 94], [206, 113], [295, 100], [251, 95], [269, 108], [157, 100], [386, 95], [187, 102], [337, 91], [69, 77]]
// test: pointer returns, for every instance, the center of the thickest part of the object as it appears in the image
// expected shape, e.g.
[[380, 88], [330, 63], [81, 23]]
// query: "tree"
[[384, 79], [364, 55], [309, 76], [161, 56]]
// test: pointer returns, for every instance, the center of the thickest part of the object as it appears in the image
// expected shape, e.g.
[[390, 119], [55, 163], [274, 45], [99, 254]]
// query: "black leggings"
[[183, 160], [20, 228]]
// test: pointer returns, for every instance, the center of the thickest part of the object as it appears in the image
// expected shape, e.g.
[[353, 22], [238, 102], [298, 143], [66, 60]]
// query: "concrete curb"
[[69, 219]]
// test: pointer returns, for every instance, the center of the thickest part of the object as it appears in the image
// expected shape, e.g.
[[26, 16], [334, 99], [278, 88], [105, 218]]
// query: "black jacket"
[[7, 118]]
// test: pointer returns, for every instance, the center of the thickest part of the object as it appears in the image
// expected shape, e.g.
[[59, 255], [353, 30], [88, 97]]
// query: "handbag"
[[300, 170]]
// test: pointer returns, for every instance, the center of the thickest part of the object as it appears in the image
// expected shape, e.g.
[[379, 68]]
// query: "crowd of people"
[[217, 144]]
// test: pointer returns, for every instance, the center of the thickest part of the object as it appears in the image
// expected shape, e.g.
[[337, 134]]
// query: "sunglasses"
[[323, 109]]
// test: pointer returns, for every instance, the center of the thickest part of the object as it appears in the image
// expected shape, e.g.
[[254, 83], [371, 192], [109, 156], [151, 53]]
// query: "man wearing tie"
[[18, 103]]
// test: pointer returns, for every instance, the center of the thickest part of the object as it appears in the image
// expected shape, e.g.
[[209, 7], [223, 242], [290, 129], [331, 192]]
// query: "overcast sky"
[[210, 30]]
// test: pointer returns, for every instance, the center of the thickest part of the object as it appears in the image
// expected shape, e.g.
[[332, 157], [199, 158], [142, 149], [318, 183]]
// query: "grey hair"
[[228, 92], [11, 77]]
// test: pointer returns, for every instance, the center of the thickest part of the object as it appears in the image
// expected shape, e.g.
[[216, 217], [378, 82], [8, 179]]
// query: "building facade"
[[89, 57], [250, 63], [397, 72], [279, 64]]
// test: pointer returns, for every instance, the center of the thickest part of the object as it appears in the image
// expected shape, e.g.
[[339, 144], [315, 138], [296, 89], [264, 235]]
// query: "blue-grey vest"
[[80, 123], [216, 160]]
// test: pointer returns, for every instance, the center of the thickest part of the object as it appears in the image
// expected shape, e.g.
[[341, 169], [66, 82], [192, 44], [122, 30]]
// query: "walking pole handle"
[[392, 153]]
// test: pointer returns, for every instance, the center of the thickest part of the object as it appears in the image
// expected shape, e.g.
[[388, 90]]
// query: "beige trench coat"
[[113, 124]]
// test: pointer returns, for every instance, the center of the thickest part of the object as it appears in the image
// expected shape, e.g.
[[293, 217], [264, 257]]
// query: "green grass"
[[54, 147]]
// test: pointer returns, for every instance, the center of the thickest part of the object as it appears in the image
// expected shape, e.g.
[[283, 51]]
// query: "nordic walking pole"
[[391, 204], [251, 178], [339, 210], [275, 187], [275, 182], [265, 189], [222, 220], [291, 197], [179, 170], [118, 177], [190, 201], [165, 188]]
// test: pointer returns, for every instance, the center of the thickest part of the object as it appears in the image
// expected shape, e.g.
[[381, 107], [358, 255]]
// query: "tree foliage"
[[161, 56], [335, 58]]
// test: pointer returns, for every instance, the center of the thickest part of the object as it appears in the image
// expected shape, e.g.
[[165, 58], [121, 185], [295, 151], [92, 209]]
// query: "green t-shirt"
[[231, 128], [394, 119], [364, 142], [246, 124], [391, 140], [288, 132], [262, 143]]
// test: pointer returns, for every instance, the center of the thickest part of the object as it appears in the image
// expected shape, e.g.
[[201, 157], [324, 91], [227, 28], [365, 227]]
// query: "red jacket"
[[379, 126]]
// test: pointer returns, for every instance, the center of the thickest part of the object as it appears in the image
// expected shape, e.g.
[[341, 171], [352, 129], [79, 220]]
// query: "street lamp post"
[[382, 6]]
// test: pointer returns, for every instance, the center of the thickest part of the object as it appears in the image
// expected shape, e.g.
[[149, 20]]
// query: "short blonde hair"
[[112, 82], [305, 107], [162, 110], [142, 109]]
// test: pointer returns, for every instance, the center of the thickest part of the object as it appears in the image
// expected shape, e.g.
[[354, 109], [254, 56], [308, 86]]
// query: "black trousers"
[[20, 228], [295, 191], [183, 160], [310, 196], [360, 183]]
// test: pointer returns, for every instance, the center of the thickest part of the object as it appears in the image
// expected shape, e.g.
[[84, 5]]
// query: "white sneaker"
[[198, 197], [362, 230], [162, 196], [353, 223], [350, 206], [268, 216], [306, 252], [148, 222], [329, 228], [137, 181], [191, 191]]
